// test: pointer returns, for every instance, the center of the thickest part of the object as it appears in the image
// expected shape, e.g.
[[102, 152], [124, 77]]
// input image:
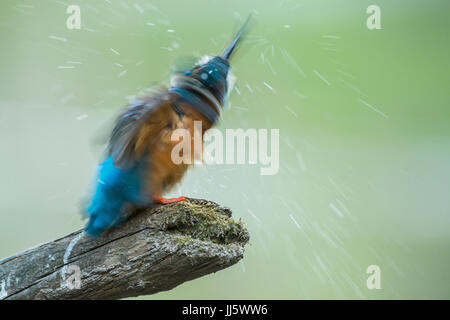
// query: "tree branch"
[[154, 250]]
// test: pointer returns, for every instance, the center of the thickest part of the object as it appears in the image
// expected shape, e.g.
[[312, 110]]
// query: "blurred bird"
[[138, 168]]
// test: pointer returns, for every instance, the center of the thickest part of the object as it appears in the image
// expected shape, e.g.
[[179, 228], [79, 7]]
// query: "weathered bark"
[[154, 250]]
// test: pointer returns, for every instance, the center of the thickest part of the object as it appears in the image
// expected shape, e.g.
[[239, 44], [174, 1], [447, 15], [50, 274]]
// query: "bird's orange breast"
[[164, 173]]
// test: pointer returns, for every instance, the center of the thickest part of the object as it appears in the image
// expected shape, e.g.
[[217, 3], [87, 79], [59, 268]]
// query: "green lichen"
[[183, 240], [207, 221]]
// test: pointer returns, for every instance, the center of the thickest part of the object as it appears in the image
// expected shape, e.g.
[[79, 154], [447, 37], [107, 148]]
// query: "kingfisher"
[[137, 169]]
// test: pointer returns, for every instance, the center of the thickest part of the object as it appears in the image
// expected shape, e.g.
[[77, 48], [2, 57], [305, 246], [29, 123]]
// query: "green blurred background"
[[356, 187]]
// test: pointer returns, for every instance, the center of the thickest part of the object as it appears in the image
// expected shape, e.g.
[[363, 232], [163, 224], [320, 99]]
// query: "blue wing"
[[121, 181]]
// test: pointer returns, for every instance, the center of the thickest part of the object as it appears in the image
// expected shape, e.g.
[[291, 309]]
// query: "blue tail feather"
[[115, 189]]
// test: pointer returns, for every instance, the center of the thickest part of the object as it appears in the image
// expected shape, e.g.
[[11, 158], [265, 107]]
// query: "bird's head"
[[209, 79], [212, 73]]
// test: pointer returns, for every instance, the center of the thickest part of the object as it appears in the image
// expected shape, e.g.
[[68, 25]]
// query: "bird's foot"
[[162, 200]]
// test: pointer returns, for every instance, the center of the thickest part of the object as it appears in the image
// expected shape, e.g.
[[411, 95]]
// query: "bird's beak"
[[227, 53]]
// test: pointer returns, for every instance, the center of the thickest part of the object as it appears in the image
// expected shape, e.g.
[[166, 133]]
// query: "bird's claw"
[[162, 200]]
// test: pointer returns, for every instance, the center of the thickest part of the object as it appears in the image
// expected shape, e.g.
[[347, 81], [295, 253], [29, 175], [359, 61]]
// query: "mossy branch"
[[154, 250]]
